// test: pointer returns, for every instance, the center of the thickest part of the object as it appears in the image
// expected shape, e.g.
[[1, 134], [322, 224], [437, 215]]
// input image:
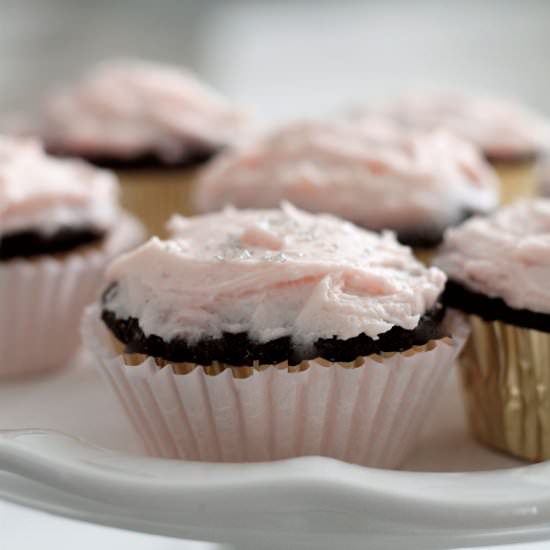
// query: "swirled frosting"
[[44, 194], [271, 273], [505, 255], [372, 173], [125, 109], [501, 128]]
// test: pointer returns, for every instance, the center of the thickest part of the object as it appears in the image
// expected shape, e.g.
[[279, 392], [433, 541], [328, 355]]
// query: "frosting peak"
[[43, 194], [373, 172], [271, 273], [128, 108], [505, 255]]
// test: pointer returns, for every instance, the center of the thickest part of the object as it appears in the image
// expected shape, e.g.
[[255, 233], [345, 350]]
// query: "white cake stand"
[[66, 448]]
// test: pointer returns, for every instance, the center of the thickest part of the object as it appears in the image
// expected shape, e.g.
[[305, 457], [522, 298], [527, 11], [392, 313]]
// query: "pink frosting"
[[506, 255], [500, 127], [373, 173], [128, 108], [272, 273], [42, 193]]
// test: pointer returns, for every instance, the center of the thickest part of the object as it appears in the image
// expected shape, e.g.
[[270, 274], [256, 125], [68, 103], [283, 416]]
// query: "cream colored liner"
[[425, 255], [517, 180], [154, 195], [506, 375]]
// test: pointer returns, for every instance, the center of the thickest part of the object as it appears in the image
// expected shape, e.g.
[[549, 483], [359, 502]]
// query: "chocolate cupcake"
[[498, 269], [149, 122], [59, 225], [374, 174], [509, 135], [266, 334]]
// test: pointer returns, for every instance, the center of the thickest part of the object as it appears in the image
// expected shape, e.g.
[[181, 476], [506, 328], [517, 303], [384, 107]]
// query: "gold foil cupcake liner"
[[517, 180], [154, 195], [367, 411], [506, 377]]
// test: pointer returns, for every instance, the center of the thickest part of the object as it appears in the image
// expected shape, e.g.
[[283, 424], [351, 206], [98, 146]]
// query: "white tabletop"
[[23, 529]]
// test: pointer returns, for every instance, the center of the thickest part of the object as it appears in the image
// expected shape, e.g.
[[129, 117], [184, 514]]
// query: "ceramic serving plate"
[[67, 449]]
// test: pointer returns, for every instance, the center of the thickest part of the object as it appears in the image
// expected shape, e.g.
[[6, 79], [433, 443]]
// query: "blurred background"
[[287, 58]]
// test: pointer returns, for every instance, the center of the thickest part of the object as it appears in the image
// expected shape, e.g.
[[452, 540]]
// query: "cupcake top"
[[271, 274], [44, 195], [505, 255], [501, 128], [130, 109], [373, 173]]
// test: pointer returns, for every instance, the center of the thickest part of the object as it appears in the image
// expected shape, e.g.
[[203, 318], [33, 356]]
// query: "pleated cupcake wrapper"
[[517, 180], [154, 195], [42, 300], [506, 375], [367, 412]]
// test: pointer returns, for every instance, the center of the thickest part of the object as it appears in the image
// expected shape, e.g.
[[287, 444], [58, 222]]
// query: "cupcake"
[[498, 269], [59, 226], [265, 334], [508, 134], [374, 174], [149, 122]]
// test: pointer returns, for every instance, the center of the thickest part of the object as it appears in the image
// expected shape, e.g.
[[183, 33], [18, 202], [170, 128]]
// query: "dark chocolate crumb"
[[144, 161], [512, 159], [27, 244], [492, 309], [429, 237]]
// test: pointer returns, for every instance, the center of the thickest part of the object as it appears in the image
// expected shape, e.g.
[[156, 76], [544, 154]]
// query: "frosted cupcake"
[[498, 269], [59, 226], [258, 335], [150, 122], [373, 174], [509, 135]]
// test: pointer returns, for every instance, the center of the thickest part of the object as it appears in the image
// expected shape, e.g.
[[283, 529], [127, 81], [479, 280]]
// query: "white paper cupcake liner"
[[42, 300], [369, 414]]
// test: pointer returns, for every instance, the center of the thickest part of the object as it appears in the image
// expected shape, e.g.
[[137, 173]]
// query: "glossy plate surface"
[[307, 502]]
